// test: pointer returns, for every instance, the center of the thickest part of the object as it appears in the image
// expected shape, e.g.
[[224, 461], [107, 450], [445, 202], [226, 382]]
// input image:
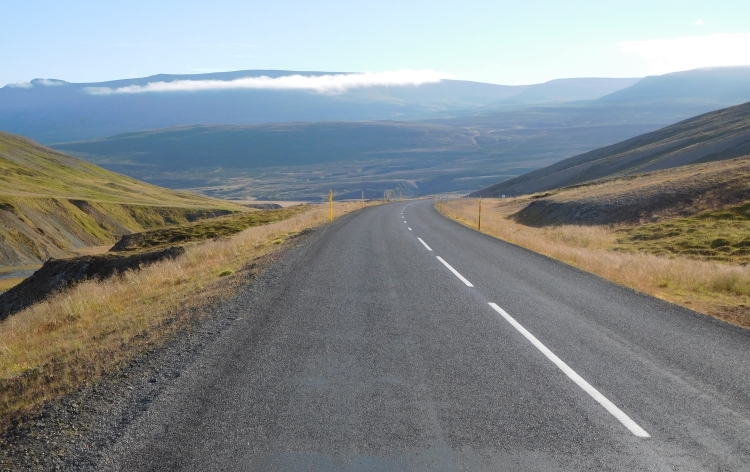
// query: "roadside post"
[[479, 221], [330, 207]]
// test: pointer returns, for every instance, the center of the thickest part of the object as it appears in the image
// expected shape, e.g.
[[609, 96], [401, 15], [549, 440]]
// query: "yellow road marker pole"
[[363, 198], [479, 222], [330, 207]]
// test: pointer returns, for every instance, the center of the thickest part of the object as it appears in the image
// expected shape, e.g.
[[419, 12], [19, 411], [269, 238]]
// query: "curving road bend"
[[396, 339]]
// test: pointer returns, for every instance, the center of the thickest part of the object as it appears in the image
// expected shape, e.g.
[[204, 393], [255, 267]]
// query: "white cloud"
[[49, 83], [671, 55], [325, 84], [697, 22], [42, 82]]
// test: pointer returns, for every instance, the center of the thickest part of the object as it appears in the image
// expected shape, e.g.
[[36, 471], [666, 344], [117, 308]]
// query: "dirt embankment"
[[642, 198], [56, 275]]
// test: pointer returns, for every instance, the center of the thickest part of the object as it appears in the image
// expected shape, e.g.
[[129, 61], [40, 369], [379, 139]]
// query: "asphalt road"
[[374, 351]]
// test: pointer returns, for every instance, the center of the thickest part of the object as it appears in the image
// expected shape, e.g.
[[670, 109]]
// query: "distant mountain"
[[55, 111], [724, 86], [568, 90], [714, 136]]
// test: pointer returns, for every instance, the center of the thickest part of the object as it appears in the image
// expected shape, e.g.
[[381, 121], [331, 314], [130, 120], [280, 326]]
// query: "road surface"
[[396, 339]]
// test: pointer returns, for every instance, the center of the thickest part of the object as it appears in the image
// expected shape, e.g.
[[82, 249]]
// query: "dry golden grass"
[[10, 282], [713, 288], [75, 337]]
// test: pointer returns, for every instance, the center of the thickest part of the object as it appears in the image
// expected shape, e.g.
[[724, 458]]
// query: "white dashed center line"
[[425, 244], [603, 401], [585, 386], [455, 272]]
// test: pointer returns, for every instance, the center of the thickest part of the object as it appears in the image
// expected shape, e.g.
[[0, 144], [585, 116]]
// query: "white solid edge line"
[[594, 393], [425, 244], [455, 272]]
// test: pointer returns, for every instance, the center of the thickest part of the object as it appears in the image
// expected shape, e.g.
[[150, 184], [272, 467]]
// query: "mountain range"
[[450, 136], [51, 110]]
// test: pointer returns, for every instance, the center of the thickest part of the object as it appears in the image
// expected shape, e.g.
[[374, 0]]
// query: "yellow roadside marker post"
[[330, 207], [479, 222], [383, 197], [363, 198]]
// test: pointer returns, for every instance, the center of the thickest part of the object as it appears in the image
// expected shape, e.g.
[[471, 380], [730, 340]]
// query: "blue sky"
[[507, 42]]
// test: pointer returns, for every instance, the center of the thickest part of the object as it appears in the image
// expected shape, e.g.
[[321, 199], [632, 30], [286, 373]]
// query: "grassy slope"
[[723, 134], [52, 204], [28, 169], [680, 192]]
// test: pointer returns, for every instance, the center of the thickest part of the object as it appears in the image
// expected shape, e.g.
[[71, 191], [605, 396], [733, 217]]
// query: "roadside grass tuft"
[[722, 235]]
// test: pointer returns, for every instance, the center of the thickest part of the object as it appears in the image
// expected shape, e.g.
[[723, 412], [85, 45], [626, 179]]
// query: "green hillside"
[[52, 205], [28, 169]]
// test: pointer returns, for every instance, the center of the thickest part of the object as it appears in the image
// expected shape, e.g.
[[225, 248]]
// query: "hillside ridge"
[[52, 204], [713, 136]]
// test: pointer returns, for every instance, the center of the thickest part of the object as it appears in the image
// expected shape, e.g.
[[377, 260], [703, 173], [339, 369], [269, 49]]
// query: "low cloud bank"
[[42, 82], [324, 84]]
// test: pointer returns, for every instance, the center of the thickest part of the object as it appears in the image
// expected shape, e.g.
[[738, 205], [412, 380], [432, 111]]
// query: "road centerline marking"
[[455, 272], [425, 244], [587, 387]]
